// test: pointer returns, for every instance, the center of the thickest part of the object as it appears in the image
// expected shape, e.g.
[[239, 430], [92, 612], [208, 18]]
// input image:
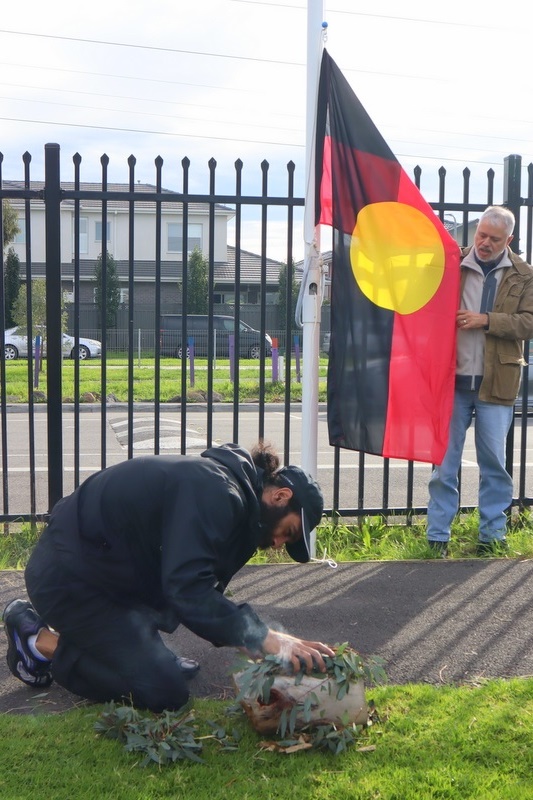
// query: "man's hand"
[[298, 651], [467, 320]]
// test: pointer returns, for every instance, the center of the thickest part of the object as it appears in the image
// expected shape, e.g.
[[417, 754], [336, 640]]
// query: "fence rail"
[[48, 448]]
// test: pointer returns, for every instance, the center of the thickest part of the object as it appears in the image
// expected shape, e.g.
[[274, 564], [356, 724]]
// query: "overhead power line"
[[176, 134], [136, 78], [395, 17], [179, 134], [152, 47]]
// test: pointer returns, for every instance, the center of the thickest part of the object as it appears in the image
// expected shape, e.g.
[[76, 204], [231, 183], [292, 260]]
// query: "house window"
[[20, 238], [84, 237], [224, 298], [98, 232], [124, 296], [175, 238]]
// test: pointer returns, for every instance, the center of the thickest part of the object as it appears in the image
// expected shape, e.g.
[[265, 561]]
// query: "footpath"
[[439, 622]]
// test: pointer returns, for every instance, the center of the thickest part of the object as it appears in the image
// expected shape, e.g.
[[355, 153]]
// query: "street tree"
[[9, 223], [112, 290], [11, 285], [197, 283], [38, 311]]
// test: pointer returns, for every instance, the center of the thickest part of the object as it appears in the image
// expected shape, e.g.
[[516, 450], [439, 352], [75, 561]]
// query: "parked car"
[[198, 329], [16, 346]]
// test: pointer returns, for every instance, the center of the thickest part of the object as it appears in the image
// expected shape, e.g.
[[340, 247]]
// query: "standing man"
[[495, 317], [144, 546]]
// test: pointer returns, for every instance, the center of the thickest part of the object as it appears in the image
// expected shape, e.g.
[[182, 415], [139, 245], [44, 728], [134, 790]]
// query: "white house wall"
[[118, 220]]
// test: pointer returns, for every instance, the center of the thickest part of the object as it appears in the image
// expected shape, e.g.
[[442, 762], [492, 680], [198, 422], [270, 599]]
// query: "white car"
[[16, 346]]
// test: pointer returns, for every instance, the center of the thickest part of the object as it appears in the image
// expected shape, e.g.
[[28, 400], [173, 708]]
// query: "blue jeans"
[[492, 423]]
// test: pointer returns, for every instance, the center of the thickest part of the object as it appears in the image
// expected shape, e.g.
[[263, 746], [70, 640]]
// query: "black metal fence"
[[48, 448]]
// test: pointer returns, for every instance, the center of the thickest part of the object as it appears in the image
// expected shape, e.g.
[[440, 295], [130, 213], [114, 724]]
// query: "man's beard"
[[270, 517]]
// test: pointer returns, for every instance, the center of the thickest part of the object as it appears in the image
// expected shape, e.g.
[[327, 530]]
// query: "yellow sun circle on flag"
[[397, 256]]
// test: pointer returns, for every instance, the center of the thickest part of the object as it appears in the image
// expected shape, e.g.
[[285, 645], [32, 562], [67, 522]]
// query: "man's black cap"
[[308, 495]]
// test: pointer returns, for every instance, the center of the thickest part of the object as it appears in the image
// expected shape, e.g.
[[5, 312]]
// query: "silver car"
[[16, 346]]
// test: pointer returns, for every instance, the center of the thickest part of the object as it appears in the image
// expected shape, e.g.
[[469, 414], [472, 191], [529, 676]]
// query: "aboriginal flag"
[[395, 289]]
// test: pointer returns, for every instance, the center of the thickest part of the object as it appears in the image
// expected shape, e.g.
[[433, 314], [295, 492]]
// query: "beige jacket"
[[510, 323]]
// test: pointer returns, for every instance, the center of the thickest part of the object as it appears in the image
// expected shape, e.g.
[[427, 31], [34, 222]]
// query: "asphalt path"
[[438, 622]]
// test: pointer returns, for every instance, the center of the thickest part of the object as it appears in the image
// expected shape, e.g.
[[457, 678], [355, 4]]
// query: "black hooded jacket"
[[168, 532]]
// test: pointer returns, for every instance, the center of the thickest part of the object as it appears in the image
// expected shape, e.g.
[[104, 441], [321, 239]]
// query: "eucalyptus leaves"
[[278, 701], [161, 738], [345, 668], [317, 711]]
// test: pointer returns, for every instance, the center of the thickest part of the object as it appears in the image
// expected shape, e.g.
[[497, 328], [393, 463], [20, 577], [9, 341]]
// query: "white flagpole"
[[310, 298]]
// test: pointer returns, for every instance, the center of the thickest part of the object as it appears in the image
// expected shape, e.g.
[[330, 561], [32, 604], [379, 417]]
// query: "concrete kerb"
[[94, 408]]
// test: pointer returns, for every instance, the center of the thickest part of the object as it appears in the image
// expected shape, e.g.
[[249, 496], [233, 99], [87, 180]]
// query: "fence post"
[[512, 166], [52, 202], [512, 169]]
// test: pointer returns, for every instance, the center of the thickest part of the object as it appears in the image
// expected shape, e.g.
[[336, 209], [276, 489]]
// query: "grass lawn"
[[143, 379], [447, 742], [372, 540], [432, 742]]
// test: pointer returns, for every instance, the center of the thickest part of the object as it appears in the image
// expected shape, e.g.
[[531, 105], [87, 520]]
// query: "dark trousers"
[[106, 651]]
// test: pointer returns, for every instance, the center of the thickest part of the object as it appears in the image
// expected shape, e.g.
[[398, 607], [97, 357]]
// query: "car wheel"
[[180, 352], [83, 353], [10, 352], [254, 351]]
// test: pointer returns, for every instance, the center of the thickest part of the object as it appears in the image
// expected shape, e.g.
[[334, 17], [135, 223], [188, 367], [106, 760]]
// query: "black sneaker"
[[188, 666], [21, 621], [497, 547], [440, 549]]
